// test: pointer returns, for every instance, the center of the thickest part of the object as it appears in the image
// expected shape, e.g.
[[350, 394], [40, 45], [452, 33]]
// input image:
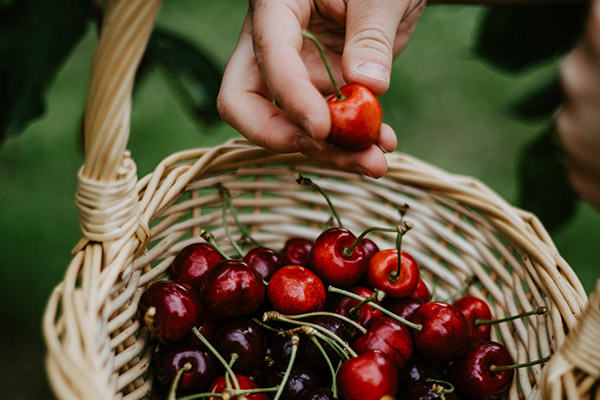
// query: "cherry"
[[264, 260], [220, 386], [419, 369], [474, 308], [318, 394], [370, 376], [296, 251], [170, 309], [294, 289], [208, 327], [383, 273], [473, 374], [404, 307], [429, 391], [348, 306], [329, 262], [170, 359], [231, 288], [299, 380], [192, 262], [421, 292], [243, 337], [389, 337], [445, 332], [369, 247]]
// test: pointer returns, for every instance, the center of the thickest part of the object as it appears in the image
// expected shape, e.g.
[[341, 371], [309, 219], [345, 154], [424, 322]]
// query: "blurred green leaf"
[[35, 38], [192, 73], [544, 187], [540, 103], [515, 37]]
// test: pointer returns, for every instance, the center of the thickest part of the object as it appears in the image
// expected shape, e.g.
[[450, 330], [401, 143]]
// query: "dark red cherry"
[[474, 308], [265, 261], [421, 292], [346, 306], [245, 338], [296, 251], [318, 394], [419, 369], [170, 309], [404, 307], [192, 262], [231, 289], [429, 391], [294, 289], [382, 273], [473, 376], [445, 333], [369, 247], [370, 376], [173, 357], [389, 337], [328, 261], [220, 386], [300, 379]]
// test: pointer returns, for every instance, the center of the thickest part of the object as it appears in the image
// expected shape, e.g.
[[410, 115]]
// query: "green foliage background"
[[447, 105]]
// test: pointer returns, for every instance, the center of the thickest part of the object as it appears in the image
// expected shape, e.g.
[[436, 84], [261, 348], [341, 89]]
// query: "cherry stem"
[[377, 296], [288, 370], [355, 324], [226, 199], [349, 250], [149, 319], [390, 314], [173, 391], [317, 43], [210, 239], [329, 365], [439, 388], [402, 229], [308, 182], [342, 351], [496, 368], [235, 393], [229, 204], [201, 396], [210, 347], [538, 311], [461, 290], [274, 315]]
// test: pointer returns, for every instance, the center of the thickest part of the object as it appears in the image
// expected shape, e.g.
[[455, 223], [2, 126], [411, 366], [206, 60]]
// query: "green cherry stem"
[[390, 314], [288, 370], [342, 351], [377, 295], [355, 324], [244, 230], [461, 290], [350, 249], [225, 364], [537, 311], [402, 229], [440, 388], [173, 390], [226, 199], [210, 239], [329, 365], [321, 50], [302, 180], [202, 395], [496, 368]]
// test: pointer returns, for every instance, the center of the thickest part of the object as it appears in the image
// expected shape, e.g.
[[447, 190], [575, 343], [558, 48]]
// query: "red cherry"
[[370, 376], [474, 308], [445, 332], [388, 336], [231, 289], [382, 273], [294, 289], [328, 261], [345, 305], [192, 262], [369, 247], [220, 386], [404, 307], [355, 120], [421, 292], [296, 251], [473, 376], [170, 309], [265, 261]]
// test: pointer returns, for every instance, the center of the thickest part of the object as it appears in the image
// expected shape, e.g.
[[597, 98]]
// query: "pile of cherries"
[[333, 318]]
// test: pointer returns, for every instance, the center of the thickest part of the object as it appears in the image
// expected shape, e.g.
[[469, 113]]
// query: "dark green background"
[[446, 105]]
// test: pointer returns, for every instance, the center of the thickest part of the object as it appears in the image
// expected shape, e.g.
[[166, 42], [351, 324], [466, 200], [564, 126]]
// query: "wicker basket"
[[97, 345]]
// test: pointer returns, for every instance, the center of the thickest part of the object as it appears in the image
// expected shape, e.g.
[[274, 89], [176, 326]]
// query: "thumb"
[[371, 27]]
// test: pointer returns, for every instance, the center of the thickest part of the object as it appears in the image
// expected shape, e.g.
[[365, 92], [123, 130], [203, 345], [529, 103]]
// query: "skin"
[[578, 122], [273, 62]]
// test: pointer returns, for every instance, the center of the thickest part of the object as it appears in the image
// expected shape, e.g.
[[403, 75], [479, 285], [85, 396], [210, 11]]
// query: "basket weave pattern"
[[131, 231]]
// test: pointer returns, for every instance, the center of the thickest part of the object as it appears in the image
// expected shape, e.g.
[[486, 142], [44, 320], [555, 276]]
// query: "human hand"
[[578, 122], [273, 62]]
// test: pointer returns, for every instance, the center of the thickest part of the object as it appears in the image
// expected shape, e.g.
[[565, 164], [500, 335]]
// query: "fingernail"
[[306, 144], [373, 70], [362, 171], [307, 125]]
